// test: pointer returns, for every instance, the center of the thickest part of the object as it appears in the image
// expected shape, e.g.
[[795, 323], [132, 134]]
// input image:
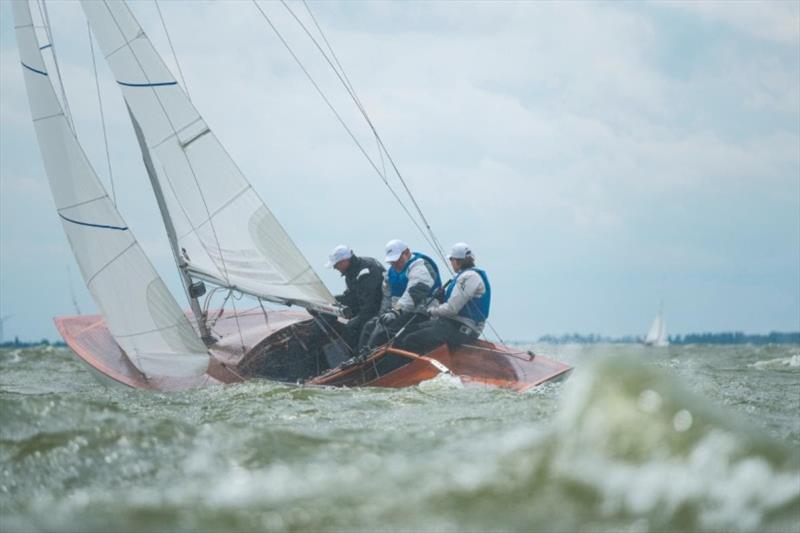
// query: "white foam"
[[793, 361], [441, 381]]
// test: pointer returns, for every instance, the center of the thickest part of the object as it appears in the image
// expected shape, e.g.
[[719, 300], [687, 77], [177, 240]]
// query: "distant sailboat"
[[657, 335]]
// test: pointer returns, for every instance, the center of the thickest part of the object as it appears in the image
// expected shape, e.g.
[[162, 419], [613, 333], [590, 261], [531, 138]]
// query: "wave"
[[631, 443], [793, 361]]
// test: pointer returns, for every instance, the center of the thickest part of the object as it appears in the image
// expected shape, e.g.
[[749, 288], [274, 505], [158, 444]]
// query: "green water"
[[682, 438]]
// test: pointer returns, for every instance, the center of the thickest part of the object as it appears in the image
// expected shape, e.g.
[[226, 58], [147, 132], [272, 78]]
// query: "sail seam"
[[216, 212], [102, 268], [156, 330], [60, 113], [82, 203], [48, 45], [291, 281], [126, 43], [92, 225]]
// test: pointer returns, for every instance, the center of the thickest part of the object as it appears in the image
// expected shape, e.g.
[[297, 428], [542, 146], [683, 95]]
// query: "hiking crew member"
[[463, 313], [408, 286], [362, 297]]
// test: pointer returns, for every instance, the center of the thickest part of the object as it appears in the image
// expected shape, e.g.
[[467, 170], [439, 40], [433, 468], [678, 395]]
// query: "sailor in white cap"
[[362, 297], [411, 280], [465, 308], [408, 286]]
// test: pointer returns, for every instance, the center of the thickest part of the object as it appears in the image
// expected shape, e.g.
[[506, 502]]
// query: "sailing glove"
[[388, 317]]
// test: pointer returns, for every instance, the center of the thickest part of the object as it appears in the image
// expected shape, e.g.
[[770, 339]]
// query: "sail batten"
[[145, 320], [222, 226]]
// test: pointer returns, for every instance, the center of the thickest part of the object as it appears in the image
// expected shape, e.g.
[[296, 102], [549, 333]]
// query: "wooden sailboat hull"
[[479, 363]]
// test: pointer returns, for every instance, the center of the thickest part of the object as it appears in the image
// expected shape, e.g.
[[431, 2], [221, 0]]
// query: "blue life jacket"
[[476, 309], [398, 281]]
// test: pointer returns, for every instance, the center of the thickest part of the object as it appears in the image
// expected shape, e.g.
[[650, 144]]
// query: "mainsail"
[[225, 234], [141, 314]]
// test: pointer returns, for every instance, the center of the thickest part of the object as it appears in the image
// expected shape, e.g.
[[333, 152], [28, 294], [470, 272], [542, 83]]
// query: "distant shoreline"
[[726, 337]]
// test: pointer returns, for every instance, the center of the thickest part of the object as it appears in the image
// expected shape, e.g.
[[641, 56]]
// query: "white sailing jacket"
[[468, 286]]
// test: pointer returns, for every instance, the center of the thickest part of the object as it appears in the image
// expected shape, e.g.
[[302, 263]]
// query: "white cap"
[[461, 250], [340, 253], [394, 249]]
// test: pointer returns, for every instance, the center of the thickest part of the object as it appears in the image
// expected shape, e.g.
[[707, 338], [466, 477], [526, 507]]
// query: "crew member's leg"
[[429, 335]]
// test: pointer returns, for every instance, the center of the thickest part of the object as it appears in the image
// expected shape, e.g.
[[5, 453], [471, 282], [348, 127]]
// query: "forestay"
[[141, 314], [225, 233]]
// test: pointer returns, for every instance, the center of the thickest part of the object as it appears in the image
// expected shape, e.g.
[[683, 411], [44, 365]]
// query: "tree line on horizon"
[[725, 337]]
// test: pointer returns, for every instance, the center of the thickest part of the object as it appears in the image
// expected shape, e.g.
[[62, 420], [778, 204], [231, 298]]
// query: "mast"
[[193, 290]]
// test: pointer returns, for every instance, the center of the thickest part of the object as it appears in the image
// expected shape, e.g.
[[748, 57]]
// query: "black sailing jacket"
[[364, 280]]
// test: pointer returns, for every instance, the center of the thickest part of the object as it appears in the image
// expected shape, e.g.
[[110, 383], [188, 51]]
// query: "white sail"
[[657, 334], [224, 231], [141, 314]]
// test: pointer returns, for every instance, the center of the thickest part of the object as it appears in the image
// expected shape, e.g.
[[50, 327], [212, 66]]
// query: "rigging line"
[[343, 78], [349, 84], [171, 47], [351, 91], [238, 326], [43, 13], [344, 74], [382, 148], [340, 119], [172, 126], [102, 114], [266, 317]]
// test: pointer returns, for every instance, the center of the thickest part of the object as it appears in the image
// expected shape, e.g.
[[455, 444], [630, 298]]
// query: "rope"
[[341, 121], [238, 326], [102, 114], [345, 80], [382, 148], [344, 75], [266, 316], [171, 47]]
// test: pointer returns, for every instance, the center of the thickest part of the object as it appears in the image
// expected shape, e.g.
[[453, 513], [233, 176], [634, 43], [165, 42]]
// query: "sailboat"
[[657, 334], [222, 236]]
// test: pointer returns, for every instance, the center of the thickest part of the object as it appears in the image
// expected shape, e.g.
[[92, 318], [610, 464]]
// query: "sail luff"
[[140, 313], [221, 222]]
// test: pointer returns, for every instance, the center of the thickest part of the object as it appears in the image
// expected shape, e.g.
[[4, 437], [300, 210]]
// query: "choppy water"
[[680, 438]]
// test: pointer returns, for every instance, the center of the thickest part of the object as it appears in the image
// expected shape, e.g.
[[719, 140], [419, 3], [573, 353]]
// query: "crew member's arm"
[[346, 298], [419, 286], [386, 299], [469, 286]]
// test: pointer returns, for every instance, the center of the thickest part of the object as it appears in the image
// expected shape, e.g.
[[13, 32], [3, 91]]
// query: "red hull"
[[479, 363]]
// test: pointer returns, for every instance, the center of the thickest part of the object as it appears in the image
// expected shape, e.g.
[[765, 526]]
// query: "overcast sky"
[[599, 157]]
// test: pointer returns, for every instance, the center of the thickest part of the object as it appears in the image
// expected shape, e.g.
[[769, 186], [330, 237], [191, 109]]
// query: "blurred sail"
[[657, 334], [141, 314], [224, 231]]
